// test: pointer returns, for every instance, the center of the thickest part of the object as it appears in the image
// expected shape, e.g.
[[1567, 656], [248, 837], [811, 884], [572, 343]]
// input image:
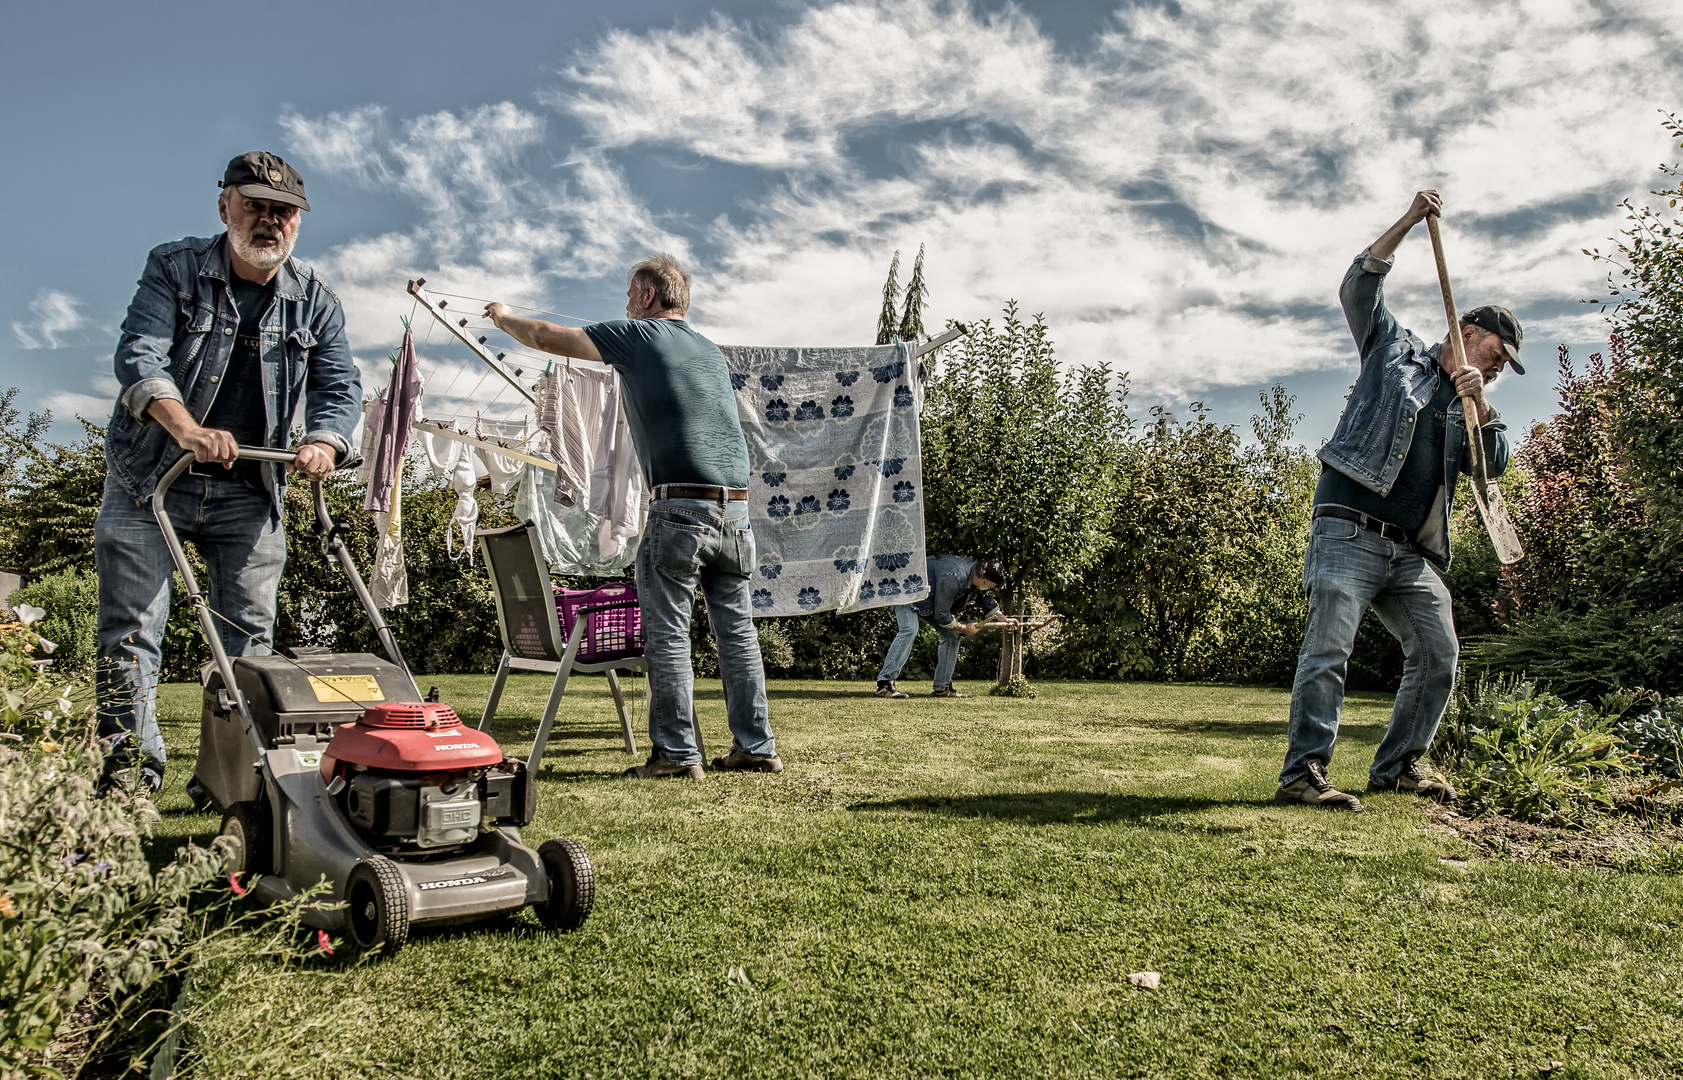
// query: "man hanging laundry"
[[953, 580], [222, 338], [682, 413]]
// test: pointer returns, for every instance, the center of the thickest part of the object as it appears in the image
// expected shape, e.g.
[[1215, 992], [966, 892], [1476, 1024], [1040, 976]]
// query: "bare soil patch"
[[1641, 832]]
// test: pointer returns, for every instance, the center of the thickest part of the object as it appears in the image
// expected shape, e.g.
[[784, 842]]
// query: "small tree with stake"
[[1020, 464]]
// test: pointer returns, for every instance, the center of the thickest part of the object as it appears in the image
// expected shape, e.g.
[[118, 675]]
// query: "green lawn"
[[961, 888]]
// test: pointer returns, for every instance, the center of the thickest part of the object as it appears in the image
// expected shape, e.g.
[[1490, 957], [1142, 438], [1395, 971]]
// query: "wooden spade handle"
[[1468, 409]]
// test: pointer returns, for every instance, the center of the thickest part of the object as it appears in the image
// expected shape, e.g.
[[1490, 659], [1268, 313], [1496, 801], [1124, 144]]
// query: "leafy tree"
[[450, 622], [1578, 503], [1019, 464], [1597, 604], [1202, 574], [49, 493], [1647, 283]]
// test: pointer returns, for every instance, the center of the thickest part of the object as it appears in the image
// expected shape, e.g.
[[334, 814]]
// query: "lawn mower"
[[332, 766]]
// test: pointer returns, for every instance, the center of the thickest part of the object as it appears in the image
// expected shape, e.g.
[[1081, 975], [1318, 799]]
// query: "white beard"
[[264, 258]]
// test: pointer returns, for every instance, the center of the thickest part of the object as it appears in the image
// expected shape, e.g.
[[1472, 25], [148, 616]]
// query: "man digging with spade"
[[1381, 515]]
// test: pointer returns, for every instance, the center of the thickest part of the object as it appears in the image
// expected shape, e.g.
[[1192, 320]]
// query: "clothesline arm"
[[417, 289], [958, 331]]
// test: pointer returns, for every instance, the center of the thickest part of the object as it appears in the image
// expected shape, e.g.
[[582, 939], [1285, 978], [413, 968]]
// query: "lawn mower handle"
[[331, 545]]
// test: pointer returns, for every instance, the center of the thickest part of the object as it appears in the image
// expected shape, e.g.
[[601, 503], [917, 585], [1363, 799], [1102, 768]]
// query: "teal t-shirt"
[[1417, 483], [679, 400]]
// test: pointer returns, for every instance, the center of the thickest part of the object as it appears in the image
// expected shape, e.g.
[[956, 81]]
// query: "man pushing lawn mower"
[[224, 335], [1381, 515]]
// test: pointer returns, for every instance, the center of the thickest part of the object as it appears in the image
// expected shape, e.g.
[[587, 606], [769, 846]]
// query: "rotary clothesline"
[[869, 540]]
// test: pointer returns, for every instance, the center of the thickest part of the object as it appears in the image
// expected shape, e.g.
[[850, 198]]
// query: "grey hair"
[[663, 274], [1483, 332]]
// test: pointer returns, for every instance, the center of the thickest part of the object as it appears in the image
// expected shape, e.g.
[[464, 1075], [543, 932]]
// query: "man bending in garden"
[[682, 411], [222, 338], [1380, 531], [953, 579]]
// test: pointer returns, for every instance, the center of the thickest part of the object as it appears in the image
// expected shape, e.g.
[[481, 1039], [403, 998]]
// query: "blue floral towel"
[[836, 495]]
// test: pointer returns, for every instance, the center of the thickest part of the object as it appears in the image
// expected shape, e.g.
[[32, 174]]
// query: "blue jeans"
[[706, 541], [244, 549], [1348, 569], [946, 654]]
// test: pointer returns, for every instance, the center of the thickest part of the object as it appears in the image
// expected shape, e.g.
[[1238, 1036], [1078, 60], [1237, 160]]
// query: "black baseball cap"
[[262, 175], [1501, 322]]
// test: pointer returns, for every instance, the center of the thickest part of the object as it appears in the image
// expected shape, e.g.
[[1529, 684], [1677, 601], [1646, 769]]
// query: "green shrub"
[[1583, 655], [1533, 757], [38, 708], [93, 921], [1655, 737], [71, 601], [85, 919]]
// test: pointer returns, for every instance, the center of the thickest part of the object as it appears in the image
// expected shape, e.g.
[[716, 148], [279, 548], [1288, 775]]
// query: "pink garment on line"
[[391, 441]]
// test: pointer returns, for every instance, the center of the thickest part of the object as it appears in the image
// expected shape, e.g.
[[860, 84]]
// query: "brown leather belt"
[[700, 491], [1373, 524]]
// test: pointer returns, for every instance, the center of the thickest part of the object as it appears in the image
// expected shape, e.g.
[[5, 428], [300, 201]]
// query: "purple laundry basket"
[[609, 634]]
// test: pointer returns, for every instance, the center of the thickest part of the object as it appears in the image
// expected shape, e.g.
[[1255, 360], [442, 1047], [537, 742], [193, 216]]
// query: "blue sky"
[[1177, 185]]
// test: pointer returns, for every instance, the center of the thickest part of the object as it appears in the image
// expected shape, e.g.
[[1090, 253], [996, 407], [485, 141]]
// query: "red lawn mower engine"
[[410, 776]]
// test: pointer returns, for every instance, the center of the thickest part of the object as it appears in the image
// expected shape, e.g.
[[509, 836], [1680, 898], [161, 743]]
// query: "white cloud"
[[1180, 197], [347, 145], [93, 407], [56, 318]]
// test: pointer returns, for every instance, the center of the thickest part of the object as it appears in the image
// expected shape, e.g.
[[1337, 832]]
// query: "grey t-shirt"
[[679, 400]]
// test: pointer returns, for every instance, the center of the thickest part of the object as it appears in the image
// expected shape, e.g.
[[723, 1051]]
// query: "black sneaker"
[[1417, 779], [887, 689], [1313, 789], [947, 692]]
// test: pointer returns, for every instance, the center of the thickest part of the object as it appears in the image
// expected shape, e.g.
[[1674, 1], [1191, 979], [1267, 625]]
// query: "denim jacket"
[[1395, 383], [949, 578], [176, 341]]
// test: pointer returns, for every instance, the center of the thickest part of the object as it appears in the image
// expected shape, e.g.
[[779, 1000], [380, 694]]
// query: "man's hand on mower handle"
[[315, 461], [205, 444]]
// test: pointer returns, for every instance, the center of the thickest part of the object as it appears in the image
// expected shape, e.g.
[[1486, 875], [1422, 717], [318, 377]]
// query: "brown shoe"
[[887, 689], [657, 767], [948, 692], [1313, 789], [740, 760], [1417, 779]]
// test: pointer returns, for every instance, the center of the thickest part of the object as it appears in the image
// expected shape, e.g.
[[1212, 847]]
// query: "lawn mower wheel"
[[378, 906], [572, 884], [247, 824]]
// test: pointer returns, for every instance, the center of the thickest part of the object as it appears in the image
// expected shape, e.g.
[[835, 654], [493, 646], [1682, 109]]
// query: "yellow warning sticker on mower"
[[339, 688]]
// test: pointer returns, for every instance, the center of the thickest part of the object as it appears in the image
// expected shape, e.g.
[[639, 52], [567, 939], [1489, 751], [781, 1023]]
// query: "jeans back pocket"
[[677, 545], [737, 555]]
